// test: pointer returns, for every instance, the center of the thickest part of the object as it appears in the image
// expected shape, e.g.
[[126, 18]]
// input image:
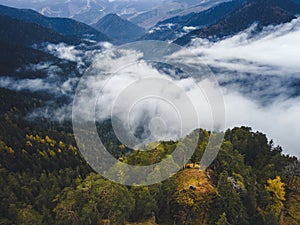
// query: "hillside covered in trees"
[[44, 179]]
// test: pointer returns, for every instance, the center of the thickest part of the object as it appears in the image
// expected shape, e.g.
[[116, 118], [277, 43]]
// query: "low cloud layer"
[[279, 119], [145, 104], [258, 72], [274, 51]]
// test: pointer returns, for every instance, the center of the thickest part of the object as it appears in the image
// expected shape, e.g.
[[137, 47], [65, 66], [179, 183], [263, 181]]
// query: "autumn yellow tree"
[[277, 190]]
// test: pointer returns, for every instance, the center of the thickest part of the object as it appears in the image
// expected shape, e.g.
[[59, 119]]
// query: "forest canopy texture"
[[44, 179]]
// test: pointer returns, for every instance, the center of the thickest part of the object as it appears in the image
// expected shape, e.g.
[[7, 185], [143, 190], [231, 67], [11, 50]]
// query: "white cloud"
[[26, 84], [81, 55], [276, 50], [279, 120], [132, 91], [189, 29], [257, 70], [64, 51]]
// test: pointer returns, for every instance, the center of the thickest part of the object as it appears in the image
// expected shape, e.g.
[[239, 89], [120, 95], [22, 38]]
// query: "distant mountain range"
[[168, 9], [119, 29], [143, 13], [27, 27]]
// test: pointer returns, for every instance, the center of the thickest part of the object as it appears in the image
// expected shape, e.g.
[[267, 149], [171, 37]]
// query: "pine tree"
[[223, 220], [230, 200]]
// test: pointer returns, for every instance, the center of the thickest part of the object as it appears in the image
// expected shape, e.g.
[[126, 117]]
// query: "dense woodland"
[[44, 179]]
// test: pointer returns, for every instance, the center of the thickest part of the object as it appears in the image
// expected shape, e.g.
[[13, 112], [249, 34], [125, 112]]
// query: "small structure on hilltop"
[[193, 188], [191, 166]]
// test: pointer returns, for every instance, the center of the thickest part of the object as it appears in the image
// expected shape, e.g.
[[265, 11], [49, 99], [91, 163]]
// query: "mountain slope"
[[170, 29], [214, 14], [262, 12], [19, 61], [13, 56], [118, 28], [288, 5], [170, 8], [25, 33], [61, 25]]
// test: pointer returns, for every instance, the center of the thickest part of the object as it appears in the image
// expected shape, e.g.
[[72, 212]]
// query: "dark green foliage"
[[223, 220], [146, 199], [230, 200], [93, 201]]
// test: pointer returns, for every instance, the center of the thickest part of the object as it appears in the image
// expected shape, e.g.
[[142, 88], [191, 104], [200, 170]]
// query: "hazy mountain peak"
[[118, 28]]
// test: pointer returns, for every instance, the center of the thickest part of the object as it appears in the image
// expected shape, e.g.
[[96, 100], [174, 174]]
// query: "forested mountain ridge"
[[44, 179]]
